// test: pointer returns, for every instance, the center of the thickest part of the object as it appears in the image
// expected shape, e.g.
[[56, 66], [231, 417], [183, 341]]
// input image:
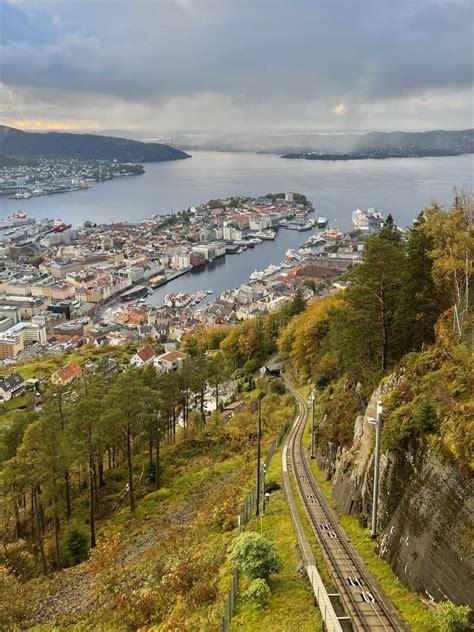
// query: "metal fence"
[[248, 507]]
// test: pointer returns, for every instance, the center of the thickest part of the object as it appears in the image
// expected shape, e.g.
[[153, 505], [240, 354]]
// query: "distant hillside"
[[341, 146], [15, 142], [8, 161]]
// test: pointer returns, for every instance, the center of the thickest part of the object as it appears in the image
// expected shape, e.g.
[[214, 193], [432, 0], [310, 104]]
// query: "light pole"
[[375, 496], [264, 498], [313, 397], [259, 434]]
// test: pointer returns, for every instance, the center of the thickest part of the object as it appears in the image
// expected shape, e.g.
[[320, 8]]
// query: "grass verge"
[[291, 603]]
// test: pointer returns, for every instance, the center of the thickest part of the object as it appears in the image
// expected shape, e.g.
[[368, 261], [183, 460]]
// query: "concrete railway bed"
[[357, 602]]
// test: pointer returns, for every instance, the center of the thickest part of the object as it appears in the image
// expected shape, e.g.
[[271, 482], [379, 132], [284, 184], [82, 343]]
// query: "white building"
[[170, 361], [181, 259]]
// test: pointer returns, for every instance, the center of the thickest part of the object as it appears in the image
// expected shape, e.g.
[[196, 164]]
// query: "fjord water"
[[400, 186]]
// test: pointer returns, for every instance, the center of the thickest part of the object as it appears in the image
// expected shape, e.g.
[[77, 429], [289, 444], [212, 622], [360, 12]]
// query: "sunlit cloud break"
[[339, 109]]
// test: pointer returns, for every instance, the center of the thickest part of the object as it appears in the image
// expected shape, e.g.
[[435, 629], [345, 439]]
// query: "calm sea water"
[[399, 186]]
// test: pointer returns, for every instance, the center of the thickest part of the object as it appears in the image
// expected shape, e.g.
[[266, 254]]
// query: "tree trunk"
[[17, 519], [101, 471], [91, 501], [157, 466], [150, 453], [39, 533], [202, 401], [57, 554], [68, 495], [131, 491], [96, 487]]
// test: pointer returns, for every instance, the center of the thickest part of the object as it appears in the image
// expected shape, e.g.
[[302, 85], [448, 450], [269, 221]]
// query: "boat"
[[210, 291], [291, 255], [322, 221], [21, 195], [59, 226], [370, 221], [134, 293], [266, 234], [256, 275], [298, 225]]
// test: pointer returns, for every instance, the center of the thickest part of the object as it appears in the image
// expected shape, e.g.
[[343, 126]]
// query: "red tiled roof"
[[67, 373], [146, 354]]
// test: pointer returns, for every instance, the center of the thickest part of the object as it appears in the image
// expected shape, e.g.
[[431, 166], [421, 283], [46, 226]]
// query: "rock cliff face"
[[426, 510]]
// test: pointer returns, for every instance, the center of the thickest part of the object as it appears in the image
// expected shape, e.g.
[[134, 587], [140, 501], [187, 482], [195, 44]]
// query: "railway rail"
[[365, 609]]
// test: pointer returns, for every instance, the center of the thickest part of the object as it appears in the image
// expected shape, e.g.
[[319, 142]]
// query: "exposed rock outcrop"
[[426, 509]]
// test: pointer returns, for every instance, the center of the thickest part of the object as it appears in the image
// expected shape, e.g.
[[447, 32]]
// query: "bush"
[[258, 592], [76, 545], [18, 560], [272, 486], [13, 603], [255, 556], [426, 417], [452, 618]]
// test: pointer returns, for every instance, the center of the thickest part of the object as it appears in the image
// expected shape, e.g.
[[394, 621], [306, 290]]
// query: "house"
[[272, 368], [170, 361], [11, 386], [66, 374], [232, 409], [143, 356]]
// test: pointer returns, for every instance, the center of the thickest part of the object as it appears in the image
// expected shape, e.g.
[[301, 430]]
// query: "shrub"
[[254, 555], [18, 560], [272, 486], [452, 618], [258, 592], [76, 545], [13, 603], [426, 417]]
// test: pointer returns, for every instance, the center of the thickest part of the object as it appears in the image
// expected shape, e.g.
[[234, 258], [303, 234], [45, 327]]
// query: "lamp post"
[[264, 497], [378, 439], [313, 397], [259, 434]]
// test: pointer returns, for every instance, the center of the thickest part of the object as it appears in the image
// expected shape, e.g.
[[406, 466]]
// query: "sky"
[[171, 66]]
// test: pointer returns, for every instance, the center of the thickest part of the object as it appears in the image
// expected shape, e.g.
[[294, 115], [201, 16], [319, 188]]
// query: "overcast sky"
[[236, 65]]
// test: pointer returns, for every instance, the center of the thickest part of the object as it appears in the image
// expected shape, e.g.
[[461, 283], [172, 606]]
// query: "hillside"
[[15, 142], [120, 496], [8, 161], [342, 146]]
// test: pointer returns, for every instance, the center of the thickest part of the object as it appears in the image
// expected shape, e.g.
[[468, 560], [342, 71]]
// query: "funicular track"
[[364, 606]]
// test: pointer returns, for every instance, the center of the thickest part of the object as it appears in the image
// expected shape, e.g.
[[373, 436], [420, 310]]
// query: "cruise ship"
[[369, 221]]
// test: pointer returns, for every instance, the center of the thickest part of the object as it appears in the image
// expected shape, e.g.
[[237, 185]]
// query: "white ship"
[[322, 221], [266, 234], [291, 255], [369, 221], [258, 275]]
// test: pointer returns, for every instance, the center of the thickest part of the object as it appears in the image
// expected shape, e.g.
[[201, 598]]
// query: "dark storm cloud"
[[249, 53]]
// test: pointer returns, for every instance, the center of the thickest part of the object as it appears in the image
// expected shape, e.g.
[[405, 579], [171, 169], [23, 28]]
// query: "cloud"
[[181, 64]]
